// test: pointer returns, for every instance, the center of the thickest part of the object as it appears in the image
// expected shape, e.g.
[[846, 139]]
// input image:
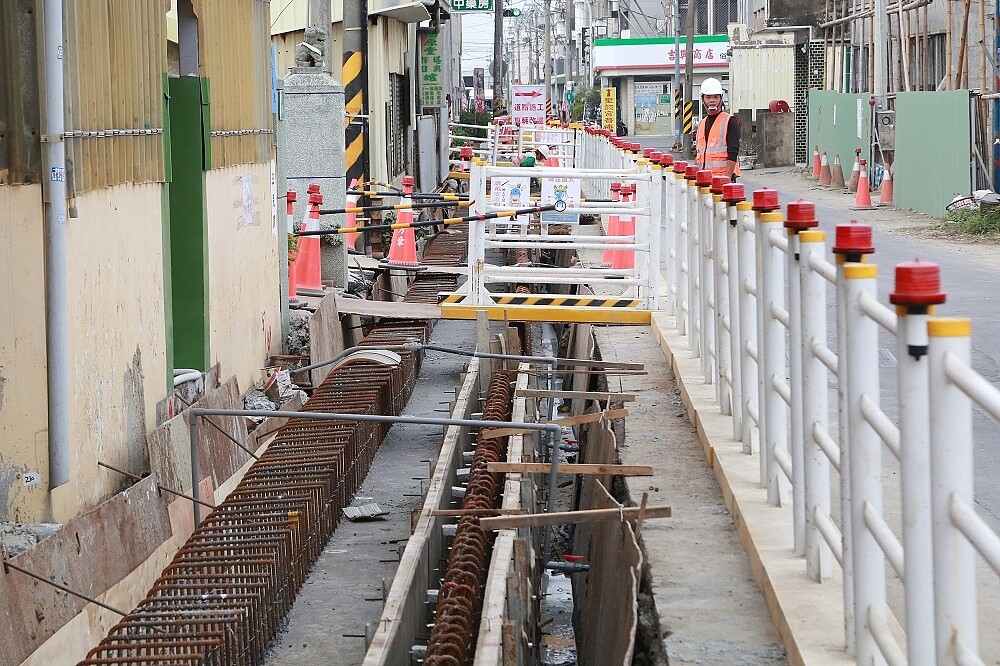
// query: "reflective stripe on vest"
[[713, 153]]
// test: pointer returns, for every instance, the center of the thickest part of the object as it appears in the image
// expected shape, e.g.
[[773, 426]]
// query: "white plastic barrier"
[[750, 291]]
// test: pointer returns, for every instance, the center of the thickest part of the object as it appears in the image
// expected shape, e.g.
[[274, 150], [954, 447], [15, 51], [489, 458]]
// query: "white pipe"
[[56, 292], [188, 376]]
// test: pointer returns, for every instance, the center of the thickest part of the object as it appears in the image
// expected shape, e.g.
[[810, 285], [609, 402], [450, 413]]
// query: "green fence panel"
[[932, 150], [839, 123]]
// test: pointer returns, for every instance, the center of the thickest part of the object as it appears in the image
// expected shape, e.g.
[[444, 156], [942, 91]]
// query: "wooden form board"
[[545, 468], [576, 395], [367, 263], [573, 517], [386, 309]]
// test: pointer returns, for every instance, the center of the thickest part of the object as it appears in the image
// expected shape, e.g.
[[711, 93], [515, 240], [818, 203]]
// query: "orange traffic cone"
[[852, 187], [824, 170], [863, 199], [613, 226], [837, 174], [625, 259], [290, 198], [816, 162], [885, 197], [352, 218], [308, 273], [403, 249]]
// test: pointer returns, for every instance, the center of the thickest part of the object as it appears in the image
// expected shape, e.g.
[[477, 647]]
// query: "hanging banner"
[[609, 108], [528, 105], [479, 88], [431, 71]]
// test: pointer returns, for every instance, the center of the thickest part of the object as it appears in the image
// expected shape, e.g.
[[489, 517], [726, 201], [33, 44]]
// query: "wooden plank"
[[609, 415], [571, 517], [545, 468], [576, 395], [475, 512], [586, 363], [370, 264], [394, 310]]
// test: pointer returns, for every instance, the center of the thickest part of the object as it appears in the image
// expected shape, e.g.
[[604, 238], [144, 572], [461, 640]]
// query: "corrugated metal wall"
[[932, 150], [838, 124], [758, 75], [115, 57], [235, 57]]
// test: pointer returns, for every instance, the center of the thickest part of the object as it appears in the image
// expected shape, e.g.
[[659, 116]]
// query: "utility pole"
[[497, 55], [879, 39], [689, 73], [677, 66], [548, 53]]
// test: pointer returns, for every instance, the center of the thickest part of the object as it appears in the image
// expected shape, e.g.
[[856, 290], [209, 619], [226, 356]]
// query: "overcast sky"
[[477, 40]]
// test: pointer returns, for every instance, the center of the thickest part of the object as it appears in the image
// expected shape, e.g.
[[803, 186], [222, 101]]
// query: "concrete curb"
[[808, 615]]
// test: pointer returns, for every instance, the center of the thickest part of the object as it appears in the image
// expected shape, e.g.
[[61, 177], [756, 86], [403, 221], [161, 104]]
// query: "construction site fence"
[[750, 294]]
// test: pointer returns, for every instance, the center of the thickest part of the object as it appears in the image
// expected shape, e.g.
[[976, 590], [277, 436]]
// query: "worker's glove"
[[732, 179]]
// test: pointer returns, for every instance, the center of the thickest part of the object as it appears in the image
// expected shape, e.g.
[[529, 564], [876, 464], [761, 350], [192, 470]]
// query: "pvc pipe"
[[650, 225], [951, 470], [189, 376], [865, 468], [815, 405], [694, 269], [57, 360], [706, 286]]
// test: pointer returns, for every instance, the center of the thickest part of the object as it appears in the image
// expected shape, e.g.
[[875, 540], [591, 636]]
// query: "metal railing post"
[[801, 216], [747, 301], [720, 291], [865, 469], [815, 405], [670, 232], [681, 249], [951, 469], [853, 244], [653, 223], [477, 231], [917, 289], [694, 261], [771, 352], [732, 195], [706, 277]]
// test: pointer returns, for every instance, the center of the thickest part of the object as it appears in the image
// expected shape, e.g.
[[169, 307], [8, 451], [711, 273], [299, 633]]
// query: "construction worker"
[[718, 137]]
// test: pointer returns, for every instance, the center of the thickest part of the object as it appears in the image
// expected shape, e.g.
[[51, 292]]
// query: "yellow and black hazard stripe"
[[688, 117], [354, 104], [551, 301]]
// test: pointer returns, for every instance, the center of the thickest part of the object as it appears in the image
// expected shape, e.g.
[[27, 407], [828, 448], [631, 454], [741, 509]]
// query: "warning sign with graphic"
[[565, 190], [508, 193]]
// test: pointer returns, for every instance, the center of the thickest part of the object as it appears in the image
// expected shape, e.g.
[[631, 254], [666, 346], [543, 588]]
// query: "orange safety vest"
[[713, 152]]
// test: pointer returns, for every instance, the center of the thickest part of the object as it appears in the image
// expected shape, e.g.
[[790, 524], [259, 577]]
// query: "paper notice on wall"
[[246, 206], [861, 118]]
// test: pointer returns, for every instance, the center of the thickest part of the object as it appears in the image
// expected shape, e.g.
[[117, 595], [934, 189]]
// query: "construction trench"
[[463, 591]]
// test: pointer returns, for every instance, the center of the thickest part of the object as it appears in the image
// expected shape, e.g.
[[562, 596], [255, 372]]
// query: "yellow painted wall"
[[117, 338], [23, 417], [243, 282]]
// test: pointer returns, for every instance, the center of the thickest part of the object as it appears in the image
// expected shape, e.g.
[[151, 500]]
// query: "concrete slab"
[[344, 589], [711, 611]]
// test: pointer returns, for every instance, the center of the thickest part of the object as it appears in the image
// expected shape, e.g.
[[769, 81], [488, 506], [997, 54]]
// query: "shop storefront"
[[643, 72]]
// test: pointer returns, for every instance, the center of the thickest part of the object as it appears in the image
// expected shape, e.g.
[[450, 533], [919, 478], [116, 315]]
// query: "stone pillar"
[[311, 148]]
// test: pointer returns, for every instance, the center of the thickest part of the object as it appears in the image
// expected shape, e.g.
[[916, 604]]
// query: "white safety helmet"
[[711, 87], [543, 151]]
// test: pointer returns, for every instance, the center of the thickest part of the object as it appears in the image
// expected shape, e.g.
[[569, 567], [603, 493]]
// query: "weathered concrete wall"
[[776, 139], [795, 12], [243, 297], [117, 339], [23, 420]]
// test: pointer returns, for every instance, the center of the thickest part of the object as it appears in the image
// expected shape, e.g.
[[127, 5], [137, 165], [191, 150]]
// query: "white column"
[[732, 260], [774, 414], [681, 248], [796, 389], [815, 405], [951, 477], [720, 253], [694, 268], [843, 437], [865, 468], [746, 283]]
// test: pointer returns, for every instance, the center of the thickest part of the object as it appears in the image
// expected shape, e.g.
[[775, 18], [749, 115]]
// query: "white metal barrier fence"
[[749, 289]]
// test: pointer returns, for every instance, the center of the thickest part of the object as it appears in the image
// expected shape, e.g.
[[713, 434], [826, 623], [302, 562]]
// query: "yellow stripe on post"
[[812, 236], [860, 271], [771, 217], [949, 327], [565, 314]]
